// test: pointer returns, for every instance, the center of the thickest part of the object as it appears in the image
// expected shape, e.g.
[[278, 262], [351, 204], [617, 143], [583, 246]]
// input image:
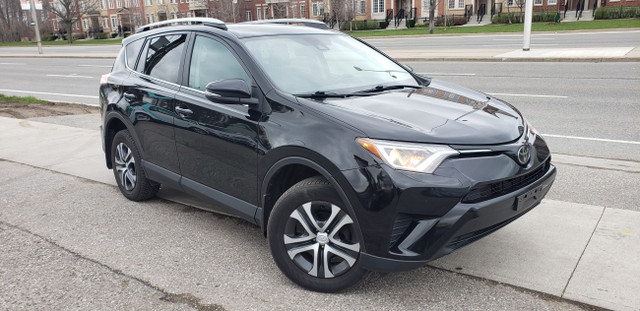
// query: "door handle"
[[130, 96], [185, 112]]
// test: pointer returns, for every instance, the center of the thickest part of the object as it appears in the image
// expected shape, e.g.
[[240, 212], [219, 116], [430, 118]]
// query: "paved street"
[[68, 239]]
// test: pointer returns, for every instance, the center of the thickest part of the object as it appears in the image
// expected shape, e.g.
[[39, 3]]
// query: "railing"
[[481, 11], [413, 14], [496, 9], [399, 17], [389, 16]]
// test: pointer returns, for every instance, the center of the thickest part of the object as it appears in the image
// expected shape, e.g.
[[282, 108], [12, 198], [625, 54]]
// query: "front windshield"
[[306, 64]]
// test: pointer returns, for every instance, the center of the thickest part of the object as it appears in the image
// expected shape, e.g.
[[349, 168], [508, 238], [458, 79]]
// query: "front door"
[[216, 143]]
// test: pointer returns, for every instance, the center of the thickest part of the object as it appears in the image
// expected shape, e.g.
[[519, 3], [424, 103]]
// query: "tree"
[[432, 14], [70, 11]]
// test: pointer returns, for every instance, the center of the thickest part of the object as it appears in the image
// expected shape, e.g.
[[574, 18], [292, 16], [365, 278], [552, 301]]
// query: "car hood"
[[440, 113]]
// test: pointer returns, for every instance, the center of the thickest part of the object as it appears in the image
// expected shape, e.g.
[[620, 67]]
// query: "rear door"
[[150, 93], [217, 143]]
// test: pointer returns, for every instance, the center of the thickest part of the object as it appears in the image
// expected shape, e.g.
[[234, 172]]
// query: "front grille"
[[489, 190], [471, 237]]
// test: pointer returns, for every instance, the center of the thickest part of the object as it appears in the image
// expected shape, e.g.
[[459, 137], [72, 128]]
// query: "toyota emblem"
[[524, 154]]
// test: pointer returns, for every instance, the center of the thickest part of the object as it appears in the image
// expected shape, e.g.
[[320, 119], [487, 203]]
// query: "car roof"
[[241, 30]]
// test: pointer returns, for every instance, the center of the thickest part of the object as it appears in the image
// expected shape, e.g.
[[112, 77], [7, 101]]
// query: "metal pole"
[[528, 14], [34, 16]]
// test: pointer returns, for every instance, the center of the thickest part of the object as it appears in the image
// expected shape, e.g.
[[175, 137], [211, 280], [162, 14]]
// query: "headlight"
[[422, 158]]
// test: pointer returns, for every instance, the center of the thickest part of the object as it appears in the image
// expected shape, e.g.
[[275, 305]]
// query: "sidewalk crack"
[[564, 290]]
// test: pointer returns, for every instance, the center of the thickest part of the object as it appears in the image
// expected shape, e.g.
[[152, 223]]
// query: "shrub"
[[77, 36], [100, 35], [451, 20], [517, 17], [617, 12], [411, 23], [363, 25], [48, 37], [113, 35]]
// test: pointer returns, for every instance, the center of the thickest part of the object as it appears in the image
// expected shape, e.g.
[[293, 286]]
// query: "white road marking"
[[49, 93], [446, 74], [611, 164], [99, 66], [73, 75], [528, 95], [630, 142], [21, 64]]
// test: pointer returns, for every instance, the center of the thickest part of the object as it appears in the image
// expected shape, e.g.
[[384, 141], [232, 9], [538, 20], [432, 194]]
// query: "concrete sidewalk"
[[579, 252]]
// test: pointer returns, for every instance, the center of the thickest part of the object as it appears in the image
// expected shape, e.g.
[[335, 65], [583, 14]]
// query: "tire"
[[310, 224], [128, 171]]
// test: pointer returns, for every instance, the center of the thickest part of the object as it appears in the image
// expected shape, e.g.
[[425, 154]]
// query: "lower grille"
[[399, 227], [489, 190]]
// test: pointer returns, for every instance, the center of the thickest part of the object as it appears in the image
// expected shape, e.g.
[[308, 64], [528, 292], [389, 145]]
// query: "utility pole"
[[528, 15], [34, 16]]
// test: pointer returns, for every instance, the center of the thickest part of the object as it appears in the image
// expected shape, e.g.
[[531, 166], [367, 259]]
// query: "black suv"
[[347, 160]]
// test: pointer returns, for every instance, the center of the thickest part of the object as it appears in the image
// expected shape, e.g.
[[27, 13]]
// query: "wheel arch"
[[113, 123], [288, 171]]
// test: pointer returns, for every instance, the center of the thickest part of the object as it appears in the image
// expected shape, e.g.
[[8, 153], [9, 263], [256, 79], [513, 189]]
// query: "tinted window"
[[163, 57], [133, 50], [212, 61]]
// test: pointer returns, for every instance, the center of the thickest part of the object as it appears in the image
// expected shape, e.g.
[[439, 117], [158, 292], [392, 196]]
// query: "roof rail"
[[185, 21]]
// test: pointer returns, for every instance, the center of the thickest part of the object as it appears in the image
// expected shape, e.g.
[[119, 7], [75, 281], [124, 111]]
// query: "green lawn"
[[78, 42], [19, 100], [544, 26]]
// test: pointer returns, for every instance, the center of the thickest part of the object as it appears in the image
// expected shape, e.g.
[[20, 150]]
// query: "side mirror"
[[231, 91]]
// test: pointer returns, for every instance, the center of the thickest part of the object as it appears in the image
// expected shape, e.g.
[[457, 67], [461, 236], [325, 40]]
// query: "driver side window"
[[212, 61]]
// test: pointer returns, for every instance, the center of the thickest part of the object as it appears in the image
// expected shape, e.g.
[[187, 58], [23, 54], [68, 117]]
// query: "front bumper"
[[414, 241]]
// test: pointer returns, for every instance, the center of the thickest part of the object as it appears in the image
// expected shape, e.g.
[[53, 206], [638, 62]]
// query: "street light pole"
[[34, 16], [528, 14]]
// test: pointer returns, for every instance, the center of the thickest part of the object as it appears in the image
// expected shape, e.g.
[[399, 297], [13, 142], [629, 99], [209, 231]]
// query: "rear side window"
[[133, 50], [163, 56]]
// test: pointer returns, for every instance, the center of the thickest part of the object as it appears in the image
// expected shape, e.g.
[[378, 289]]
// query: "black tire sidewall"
[[289, 201], [136, 193]]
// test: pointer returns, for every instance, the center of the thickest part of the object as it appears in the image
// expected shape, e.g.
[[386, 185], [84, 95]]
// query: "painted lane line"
[[73, 75], [49, 93], [99, 66], [630, 142], [528, 95], [19, 64]]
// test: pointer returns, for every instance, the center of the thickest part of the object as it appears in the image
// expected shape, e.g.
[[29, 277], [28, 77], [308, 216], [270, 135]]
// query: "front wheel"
[[127, 168], [313, 238]]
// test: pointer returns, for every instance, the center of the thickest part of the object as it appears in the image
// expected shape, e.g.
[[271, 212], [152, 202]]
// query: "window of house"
[[127, 3], [114, 22], [537, 2], [259, 12], [111, 4], [85, 24], [378, 6], [119, 3], [265, 11], [202, 70], [303, 11], [160, 2], [136, 3], [248, 16], [163, 55], [456, 5], [552, 2], [317, 9], [105, 23], [103, 4], [148, 2]]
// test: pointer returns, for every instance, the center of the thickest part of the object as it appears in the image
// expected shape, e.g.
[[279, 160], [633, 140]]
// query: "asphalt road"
[[613, 38], [68, 243]]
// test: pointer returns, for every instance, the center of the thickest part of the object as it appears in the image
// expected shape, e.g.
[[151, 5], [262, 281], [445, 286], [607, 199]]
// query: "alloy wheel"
[[125, 166], [320, 239]]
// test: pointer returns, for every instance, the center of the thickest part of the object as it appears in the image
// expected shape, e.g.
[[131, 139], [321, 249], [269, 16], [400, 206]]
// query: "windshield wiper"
[[326, 94], [380, 88]]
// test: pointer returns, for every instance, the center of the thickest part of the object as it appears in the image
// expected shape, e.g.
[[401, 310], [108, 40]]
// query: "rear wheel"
[[313, 238], [127, 168]]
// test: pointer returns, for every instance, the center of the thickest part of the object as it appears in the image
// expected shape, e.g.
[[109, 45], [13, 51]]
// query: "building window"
[[85, 24], [111, 4], [537, 2], [127, 3], [188, 14], [303, 11], [103, 4], [265, 10], [552, 2], [378, 6], [148, 2], [259, 12], [136, 3], [456, 5], [247, 15], [160, 2], [114, 22], [119, 3], [317, 9], [105, 23]]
